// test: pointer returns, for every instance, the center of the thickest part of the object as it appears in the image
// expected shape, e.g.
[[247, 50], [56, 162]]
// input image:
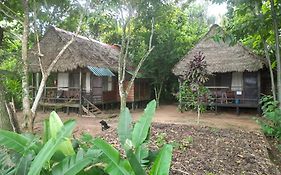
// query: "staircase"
[[90, 109]]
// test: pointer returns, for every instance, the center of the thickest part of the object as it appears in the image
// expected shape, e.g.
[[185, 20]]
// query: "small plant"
[[161, 139], [271, 119], [193, 94], [134, 141]]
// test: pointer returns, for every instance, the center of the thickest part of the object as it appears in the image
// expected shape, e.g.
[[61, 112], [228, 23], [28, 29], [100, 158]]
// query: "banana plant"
[[35, 157], [134, 140]]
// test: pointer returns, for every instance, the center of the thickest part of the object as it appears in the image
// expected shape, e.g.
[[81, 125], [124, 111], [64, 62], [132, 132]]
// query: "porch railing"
[[225, 95]]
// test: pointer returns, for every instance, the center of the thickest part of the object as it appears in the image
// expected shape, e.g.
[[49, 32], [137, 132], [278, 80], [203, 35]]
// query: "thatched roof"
[[82, 52], [221, 57]]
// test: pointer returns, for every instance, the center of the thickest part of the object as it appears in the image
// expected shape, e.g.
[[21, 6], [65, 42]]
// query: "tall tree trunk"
[[265, 46], [158, 92], [25, 85], [4, 116], [277, 51], [1, 35]]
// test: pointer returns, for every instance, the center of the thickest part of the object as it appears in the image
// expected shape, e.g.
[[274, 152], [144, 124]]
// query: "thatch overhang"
[[220, 56], [81, 53]]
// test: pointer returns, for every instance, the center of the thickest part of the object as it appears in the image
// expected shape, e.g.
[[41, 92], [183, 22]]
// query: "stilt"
[[80, 91], [237, 110]]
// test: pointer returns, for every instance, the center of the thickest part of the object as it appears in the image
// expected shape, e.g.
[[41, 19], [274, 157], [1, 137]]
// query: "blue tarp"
[[99, 71]]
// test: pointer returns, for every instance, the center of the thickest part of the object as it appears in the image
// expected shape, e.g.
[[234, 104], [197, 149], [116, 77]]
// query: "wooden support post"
[[80, 91], [237, 110], [37, 82], [259, 93], [180, 96]]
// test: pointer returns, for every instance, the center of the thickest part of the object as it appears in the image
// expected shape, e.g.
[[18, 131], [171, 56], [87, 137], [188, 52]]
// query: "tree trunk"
[[265, 45], [198, 106], [1, 35], [36, 101], [4, 116], [25, 85], [277, 51], [122, 102], [158, 92]]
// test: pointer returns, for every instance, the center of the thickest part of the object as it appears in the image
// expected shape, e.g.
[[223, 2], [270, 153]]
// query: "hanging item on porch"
[[237, 81]]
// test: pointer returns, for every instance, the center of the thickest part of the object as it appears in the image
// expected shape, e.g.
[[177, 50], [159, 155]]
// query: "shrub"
[[55, 154], [271, 119]]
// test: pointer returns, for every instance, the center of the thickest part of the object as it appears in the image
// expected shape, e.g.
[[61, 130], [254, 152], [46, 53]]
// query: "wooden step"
[[90, 109]]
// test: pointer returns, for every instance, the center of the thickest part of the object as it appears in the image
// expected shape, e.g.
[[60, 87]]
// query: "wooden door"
[[96, 86], [250, 82]]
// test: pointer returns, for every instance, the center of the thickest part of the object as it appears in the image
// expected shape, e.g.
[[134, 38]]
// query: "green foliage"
[[163, 161], [161, 139], [54, 154], [193, 98], [11, 80], [271, 120], [32, 156], [193, 94], [135, 148]]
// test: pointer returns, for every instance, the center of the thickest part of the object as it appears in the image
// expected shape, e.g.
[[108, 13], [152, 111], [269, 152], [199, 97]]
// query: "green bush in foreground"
[[271, 119], [55, 154]]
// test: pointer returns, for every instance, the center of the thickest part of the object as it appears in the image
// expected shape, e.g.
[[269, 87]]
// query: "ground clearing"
[[211, 150], [222, 143], [165, 114]]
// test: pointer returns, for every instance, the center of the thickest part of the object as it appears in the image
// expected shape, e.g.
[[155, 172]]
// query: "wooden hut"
[[84, 77], [235, 79]]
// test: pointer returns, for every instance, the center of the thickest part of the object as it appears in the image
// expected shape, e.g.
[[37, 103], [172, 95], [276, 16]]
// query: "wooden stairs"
[[90, 109]]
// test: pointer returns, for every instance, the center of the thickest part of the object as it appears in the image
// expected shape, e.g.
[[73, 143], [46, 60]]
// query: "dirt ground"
[[222, 143], [206, 150], [165, 114]]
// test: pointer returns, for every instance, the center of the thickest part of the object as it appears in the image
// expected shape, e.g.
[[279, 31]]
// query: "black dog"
[[104, 125]]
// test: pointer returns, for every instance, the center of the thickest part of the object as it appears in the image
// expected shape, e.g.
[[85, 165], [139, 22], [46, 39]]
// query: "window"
[[107, 83], [237, 81], [74, 80]]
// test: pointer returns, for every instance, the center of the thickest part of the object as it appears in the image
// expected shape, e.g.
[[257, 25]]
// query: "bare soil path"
[[170, 114], [165, 114], [222, 143]]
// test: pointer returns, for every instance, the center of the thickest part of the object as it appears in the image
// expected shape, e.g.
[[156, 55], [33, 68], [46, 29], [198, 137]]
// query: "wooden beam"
[[80, 90], [259, 92], [180, 96]]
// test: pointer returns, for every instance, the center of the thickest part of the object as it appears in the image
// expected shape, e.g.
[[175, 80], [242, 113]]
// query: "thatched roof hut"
[[82, 52], [221, 57]]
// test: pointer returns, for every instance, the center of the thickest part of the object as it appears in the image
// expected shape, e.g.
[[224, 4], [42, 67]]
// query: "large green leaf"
[[23, 165], [115, 167], [13, 141], [55, 124], [46, 131], [141, 128], [134, 162], [50, 148], [125, 126], [72, 165], [162, 163]]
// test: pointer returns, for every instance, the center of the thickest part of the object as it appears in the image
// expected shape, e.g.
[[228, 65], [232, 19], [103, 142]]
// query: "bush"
[[271, 119], [55, 154]]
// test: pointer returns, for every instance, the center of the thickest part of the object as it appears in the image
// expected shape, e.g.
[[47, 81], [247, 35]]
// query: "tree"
[[25, 84], [277, 50], [127, 11], [4, 117], [255, 24], [177, 29], [193, 93]]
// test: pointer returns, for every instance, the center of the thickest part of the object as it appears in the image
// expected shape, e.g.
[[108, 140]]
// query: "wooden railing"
[[224, 95], [65, 95]]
